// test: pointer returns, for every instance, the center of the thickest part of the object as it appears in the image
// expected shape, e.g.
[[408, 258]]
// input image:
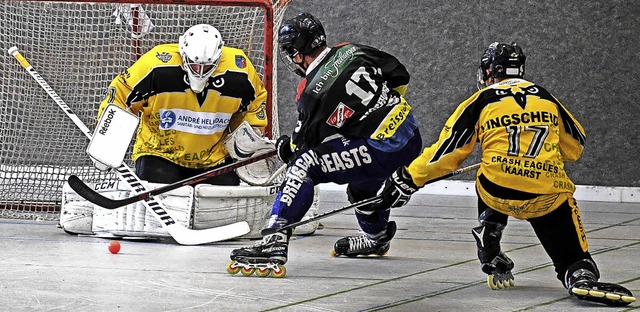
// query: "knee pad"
[[581, 269], [488, 236]]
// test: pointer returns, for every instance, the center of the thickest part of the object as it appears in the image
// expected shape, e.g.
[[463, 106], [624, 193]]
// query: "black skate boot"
[[585, 286], [499, 271], [493, 261], [267, 256], [353, 246]]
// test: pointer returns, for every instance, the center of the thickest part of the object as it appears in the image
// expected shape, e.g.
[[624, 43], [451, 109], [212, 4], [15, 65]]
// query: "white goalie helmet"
[[200, 49]]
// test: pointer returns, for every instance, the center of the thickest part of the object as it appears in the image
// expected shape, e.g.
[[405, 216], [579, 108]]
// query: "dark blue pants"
[[342, 161]]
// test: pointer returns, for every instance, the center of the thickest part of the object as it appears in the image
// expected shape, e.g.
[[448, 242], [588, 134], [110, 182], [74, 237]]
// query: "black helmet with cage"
[[300, 34], [501, 60]]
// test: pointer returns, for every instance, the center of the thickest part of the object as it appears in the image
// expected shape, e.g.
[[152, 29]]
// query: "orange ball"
[[114, 247]]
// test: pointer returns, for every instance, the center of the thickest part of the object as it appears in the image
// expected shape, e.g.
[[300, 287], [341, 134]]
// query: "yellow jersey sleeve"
[[572, 135], [455, 143]]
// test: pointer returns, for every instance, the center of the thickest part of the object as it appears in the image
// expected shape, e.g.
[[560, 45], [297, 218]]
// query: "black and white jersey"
[[353, 91]]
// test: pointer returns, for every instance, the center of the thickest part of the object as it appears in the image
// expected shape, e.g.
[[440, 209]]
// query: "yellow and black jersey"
[[178, 124], [525, 133]]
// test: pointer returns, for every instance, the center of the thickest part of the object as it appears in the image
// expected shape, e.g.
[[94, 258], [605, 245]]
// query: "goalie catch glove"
[[397, 190], [283, 148]]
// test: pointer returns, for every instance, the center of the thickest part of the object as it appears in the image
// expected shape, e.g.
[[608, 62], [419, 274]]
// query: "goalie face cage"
[[79, 47]]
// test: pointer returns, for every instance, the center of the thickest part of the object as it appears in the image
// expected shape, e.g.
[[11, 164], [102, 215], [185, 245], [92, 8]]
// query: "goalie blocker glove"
[[397, 190], [100, 166], [283, 148]]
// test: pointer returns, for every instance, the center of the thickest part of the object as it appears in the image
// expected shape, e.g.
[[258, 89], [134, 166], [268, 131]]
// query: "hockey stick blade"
[[182, 235], [91, 195], [362, 203]]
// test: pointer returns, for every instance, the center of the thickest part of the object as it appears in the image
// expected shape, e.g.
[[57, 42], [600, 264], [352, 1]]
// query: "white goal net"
[[78, 48]]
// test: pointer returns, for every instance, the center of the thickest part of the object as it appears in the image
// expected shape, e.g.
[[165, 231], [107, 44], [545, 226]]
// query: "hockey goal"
[[79, 47]]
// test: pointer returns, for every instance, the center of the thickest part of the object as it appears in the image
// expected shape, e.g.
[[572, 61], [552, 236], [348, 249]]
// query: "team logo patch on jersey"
[[164, 56], [167, 119], [241, 62], [340, 115], [262, 112], [193, 122]]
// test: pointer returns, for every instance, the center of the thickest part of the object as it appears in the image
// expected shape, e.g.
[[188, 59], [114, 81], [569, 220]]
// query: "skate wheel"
[[614, 297], [232, 268], [496, 283], [263, 272], [597, 294], [492, 284], [279, 272], [579, 291], [247, 272]]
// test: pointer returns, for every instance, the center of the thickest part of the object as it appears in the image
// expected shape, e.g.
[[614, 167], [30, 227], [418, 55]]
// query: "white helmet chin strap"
[[197, 84]]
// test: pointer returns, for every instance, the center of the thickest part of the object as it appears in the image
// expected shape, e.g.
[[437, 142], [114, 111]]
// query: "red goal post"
[[79, 47]]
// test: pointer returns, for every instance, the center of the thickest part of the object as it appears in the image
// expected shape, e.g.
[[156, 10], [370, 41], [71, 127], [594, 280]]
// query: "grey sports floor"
[[431, 267]]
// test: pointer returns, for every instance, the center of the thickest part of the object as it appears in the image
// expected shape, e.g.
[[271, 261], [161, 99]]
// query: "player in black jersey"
[[526, 135], [354, 127]]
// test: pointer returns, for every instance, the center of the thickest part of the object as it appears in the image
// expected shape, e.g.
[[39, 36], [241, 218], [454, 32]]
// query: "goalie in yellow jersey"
[[526, 134], [189, 96]]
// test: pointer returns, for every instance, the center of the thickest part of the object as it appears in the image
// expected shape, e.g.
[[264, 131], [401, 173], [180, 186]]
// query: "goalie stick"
[[361, 203], [89, 194], [181, 234]]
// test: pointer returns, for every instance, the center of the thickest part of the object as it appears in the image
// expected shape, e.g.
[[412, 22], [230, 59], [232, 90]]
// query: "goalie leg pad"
[[217, 205], [311, 227], [76, 213], [136, 220], [178, 203], [79, 216]]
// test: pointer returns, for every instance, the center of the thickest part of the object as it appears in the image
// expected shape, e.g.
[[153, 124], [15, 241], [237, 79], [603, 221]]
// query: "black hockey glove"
[[283, 148], [397, 190]]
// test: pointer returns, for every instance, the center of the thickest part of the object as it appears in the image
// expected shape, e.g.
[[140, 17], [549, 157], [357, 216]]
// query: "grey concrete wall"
[[585, 52]]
